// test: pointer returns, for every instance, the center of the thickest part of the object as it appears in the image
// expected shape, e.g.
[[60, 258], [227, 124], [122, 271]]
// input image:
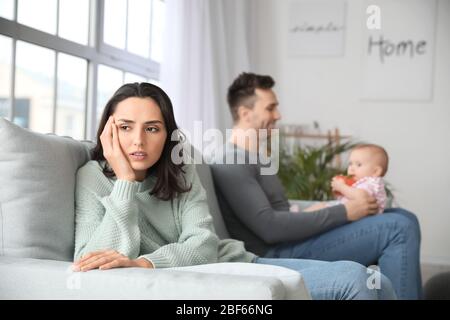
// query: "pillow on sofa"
[[205, 176], [37, 182]]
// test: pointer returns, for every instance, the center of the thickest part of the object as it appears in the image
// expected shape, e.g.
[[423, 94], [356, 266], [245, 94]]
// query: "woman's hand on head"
[[113, 152], [108, 259]]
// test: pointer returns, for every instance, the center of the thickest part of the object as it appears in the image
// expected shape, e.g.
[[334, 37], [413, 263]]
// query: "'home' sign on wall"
[[398, 52]]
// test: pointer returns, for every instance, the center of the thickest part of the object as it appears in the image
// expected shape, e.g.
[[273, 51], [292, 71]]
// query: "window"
[[61, 60], [7, 9], [109, 80], [139, 27], [74, 20], [158, 29], [71, 96], [131, 77], [115, 23], [127, 26], [5, 76], [34, 87], [39, 15], [155, 82]]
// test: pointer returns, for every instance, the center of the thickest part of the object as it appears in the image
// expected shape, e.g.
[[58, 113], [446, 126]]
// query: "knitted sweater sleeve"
[[105, 221]]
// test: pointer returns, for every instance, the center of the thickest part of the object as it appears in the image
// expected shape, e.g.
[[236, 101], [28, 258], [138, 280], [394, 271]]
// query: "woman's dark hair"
[[170, 179], [242, 91]]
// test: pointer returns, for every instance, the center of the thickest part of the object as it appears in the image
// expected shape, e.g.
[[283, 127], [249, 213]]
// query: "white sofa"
[[37, 181]]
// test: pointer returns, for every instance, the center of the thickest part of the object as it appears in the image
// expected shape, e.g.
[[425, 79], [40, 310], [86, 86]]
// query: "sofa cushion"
[[23, 278], [192, 155], [205, 176], [293, 284], [37, 182]]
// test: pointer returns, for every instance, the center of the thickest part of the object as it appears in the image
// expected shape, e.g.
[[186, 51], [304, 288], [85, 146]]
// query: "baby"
[[368, 163]]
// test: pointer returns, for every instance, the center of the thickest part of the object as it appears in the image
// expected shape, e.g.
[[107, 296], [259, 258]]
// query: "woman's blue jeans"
[[391, 240], [341, 280]]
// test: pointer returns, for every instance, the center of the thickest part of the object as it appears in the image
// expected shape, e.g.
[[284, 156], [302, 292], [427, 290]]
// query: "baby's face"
[[363, 163]]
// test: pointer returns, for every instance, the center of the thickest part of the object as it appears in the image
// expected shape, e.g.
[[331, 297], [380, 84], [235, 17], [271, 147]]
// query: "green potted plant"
[[307, 171]]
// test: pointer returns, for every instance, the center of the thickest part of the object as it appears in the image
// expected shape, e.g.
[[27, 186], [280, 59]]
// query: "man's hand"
[[360, 207], [108, 259]]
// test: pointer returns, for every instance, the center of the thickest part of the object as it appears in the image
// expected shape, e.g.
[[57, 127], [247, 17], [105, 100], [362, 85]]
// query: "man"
[[256, 210]]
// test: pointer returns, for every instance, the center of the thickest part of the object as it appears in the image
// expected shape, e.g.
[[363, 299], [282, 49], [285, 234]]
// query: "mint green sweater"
[[122, 215]]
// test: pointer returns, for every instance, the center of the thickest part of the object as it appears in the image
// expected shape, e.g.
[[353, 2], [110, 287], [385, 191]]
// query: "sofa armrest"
[[292, 281], [24, 278]]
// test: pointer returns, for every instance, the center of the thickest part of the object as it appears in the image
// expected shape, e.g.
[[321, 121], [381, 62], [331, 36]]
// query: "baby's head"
[[368, 160]]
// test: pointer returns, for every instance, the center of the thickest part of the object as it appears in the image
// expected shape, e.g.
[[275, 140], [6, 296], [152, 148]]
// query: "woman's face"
[[142, 132]]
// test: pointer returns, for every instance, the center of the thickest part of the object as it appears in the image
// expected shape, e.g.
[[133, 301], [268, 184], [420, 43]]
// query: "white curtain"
[[207, 44]]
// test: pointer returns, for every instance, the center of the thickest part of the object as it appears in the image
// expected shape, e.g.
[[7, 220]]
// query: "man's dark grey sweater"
[[256, 210]]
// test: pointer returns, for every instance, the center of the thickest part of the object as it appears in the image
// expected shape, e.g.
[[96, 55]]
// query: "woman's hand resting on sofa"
[[108, 259]]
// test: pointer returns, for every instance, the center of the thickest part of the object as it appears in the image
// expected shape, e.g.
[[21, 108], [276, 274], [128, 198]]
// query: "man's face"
[[265, 113]]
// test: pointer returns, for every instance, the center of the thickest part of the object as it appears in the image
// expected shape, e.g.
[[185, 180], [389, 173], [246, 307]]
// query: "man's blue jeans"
[[341, 280], [391, 240]]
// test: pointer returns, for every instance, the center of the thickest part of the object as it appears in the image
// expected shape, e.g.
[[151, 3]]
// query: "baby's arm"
[[347, 191]]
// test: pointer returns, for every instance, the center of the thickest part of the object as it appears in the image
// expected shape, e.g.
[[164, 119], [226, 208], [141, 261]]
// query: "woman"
[[136, 208]]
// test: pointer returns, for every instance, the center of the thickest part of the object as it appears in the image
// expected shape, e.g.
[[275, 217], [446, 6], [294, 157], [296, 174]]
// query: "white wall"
[[416, 135]]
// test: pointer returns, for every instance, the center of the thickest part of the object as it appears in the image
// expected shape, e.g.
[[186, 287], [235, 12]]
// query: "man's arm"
[[241, 189], [315, 207]]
